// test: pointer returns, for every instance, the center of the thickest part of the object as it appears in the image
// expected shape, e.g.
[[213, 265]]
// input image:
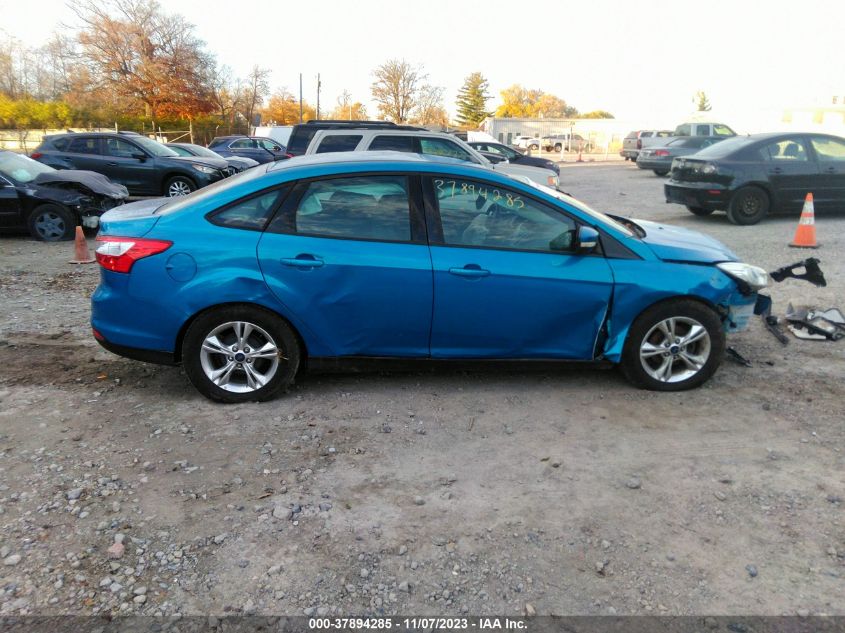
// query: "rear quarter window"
[[251, 213], [60, 143]]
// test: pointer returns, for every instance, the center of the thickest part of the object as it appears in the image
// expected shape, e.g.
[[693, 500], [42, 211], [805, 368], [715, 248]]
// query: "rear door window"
[[339, 143], [85, 145], [244, 143], [357, 207], [394, 143]]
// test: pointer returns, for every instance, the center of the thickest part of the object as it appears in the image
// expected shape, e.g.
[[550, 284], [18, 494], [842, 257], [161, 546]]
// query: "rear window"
[[339, 143], [300, 138], [725, 148]]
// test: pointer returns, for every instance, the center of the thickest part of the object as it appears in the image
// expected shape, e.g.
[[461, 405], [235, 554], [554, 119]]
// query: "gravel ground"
[[564, 492]]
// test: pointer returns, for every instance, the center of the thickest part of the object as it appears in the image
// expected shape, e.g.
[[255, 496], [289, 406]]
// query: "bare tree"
[[145, 56], [257, 87], [430, 110], [395, 89]]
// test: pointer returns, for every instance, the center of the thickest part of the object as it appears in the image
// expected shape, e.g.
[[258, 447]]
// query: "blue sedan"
[[335, 258]]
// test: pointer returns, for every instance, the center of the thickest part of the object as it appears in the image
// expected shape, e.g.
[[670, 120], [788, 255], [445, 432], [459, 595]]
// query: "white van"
[[279, 133]]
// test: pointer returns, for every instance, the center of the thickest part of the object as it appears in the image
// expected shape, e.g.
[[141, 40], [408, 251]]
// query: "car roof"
[[379, 156]]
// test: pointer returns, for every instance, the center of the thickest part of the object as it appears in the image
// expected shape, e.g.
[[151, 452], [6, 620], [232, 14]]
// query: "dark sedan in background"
[[258, 148], [235, 164], [659, 158], [751, 176], [51, 203], [514, 156], [144, 166]]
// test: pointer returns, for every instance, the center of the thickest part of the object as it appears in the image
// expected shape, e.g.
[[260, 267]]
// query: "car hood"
[[674, 243], [216, 163], [83, 181], [241, 161]]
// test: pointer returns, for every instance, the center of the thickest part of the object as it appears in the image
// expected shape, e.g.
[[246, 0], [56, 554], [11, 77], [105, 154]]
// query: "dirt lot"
[[423, 493]]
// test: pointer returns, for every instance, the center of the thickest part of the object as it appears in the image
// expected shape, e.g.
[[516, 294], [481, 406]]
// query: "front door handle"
[[112, 164], [831, 170], [303, 261], [470, 270], [775, 170]]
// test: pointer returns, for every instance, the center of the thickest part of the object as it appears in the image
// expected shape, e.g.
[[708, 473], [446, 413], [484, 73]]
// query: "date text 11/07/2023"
[[419, 624]]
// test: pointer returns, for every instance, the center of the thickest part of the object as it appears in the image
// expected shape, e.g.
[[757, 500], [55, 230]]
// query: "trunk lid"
[[135, 219]]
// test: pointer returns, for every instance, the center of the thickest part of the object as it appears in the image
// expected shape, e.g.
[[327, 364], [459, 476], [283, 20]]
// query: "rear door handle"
[[112, 164], [470, 270], [303, 261]]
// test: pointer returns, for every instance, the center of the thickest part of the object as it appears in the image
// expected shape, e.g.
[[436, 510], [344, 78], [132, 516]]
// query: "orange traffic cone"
[[805, 234], [82, 254]]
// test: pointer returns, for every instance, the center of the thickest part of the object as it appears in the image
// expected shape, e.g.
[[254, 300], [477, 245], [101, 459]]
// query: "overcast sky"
[[639, 59]]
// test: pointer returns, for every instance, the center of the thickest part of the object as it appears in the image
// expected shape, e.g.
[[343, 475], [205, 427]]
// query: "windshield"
[[153, 147], [725, 148], [199, 150], [21, 168], [572, 202]]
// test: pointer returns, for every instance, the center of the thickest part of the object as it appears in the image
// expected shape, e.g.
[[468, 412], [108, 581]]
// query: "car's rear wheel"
[[558, 147], [240, 354], [699, 210], [748, 205], [51, 223], [673, 346], [661, 172], [179, 186]]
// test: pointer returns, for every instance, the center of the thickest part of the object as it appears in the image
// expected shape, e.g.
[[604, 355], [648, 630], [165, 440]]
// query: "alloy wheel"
[[675, 349], [240, 357], [178, 188], [50, 226]]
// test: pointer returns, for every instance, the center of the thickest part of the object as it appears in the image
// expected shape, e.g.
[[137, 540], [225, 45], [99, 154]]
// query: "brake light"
[[36, 155], [661, 152], [639, 144], [119, 254], [288, 155]]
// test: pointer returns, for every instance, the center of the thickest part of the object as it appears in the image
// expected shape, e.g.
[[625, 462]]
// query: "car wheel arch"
[[180, 336], [615, 356]]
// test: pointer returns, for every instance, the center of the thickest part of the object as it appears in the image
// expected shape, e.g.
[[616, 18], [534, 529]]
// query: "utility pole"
[[318, 96], [300, 97]]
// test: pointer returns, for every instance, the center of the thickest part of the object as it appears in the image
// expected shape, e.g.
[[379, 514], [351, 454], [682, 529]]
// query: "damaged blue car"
[[336, 259]]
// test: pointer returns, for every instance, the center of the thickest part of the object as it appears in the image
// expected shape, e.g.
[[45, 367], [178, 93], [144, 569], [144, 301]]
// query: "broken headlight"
[[752, 276]]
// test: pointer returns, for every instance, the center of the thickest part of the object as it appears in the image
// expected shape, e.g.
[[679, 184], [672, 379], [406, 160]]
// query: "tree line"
[[133, 64]]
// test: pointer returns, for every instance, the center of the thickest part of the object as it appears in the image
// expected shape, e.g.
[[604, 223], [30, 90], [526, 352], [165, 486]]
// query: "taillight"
[[639, 144], [119, 254], [36, 155], [288, 155], [661, 152]]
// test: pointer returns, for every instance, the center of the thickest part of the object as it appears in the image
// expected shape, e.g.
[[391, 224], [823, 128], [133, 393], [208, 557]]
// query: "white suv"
[[420, 142]]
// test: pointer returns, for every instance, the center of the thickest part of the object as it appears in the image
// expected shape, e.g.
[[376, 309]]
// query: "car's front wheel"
[[179, 186], [661, 172], [51, 223], [240, 354], [673, 346], [748, 205], [558, 147]]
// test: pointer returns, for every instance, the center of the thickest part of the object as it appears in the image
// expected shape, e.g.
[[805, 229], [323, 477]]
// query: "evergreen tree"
[[472, 100], [701, 101]]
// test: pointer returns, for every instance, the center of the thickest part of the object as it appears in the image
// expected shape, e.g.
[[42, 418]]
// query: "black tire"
[[748, 206], [661, 172], [558, 147], [51, 223], [646, 330], [266, 326], [699, 211], [177, 184]]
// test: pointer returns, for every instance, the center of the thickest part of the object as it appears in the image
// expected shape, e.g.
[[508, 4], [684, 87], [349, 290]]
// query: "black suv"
[[144, 166], [302, 133]]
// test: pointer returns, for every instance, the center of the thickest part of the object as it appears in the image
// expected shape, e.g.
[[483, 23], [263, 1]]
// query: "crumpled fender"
[[640, 284]]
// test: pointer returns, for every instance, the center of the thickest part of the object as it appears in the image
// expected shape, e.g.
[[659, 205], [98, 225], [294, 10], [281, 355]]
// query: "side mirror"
[[140, 156], [586, 239]]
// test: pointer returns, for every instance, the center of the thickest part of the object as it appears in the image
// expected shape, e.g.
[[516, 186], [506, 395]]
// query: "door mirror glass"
[[140, 156], [587, 239]]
